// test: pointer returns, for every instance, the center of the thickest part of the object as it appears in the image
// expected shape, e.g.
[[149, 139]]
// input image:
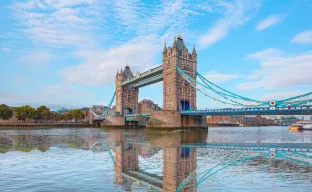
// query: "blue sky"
[[66, 53]]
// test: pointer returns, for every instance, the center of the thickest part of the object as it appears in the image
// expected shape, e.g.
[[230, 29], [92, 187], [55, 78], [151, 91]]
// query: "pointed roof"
[[174, 43], [194, 51], [180, 44], [165, 48], [127, 73]]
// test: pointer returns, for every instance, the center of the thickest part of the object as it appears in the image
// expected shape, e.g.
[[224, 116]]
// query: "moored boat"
[[301, 125]]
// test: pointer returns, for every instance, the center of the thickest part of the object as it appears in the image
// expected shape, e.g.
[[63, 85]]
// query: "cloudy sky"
[[67, 52]]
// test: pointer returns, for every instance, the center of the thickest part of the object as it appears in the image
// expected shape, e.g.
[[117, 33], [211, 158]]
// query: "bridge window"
[[185, 152], [185, 105]]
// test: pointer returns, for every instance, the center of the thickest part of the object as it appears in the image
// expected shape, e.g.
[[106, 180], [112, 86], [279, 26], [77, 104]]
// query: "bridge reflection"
[[177, 162], [183, 160], [180, 152]]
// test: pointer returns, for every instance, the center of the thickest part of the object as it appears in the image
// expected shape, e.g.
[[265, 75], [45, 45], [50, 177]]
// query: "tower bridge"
[[181, 83]]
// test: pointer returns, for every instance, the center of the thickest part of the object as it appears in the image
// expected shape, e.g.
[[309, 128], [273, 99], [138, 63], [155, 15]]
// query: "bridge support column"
[[114, 121], [194, 121], [174, 119], [90, 116], [178, 164]]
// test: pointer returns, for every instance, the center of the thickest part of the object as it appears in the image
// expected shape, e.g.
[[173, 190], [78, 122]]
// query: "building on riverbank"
[[236, 120]]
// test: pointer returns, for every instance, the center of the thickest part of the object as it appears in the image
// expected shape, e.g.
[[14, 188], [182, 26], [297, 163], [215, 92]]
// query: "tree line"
[[26, 112]]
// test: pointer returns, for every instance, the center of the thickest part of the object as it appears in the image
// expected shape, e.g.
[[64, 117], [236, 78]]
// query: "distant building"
[[147, 106], [239, 119], [85, 111], [99, 109], [258, 120], [225, 119]]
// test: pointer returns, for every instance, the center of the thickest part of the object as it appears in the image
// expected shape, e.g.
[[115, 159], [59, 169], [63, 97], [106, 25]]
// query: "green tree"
[[25, 112], [5, 112], [77, 114], [43, 112]]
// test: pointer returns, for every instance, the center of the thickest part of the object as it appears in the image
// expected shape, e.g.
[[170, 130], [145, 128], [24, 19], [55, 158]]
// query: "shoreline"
[[31, 124]]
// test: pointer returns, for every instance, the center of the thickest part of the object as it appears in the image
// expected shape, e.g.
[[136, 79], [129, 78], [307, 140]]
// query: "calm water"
[[222, 159]]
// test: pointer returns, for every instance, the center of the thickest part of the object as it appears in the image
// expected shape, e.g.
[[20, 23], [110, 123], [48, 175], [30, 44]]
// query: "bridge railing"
[[158, 68], [255, 109]]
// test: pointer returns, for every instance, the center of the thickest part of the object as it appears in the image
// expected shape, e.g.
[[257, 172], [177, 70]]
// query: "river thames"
[[92, 159]]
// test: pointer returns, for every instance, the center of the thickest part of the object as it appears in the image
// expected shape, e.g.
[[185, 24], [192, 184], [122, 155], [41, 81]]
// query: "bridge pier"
[[174, 119], [114, 121]]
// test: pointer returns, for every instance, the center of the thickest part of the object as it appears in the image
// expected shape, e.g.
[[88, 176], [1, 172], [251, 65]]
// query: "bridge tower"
[[178, 94], [178, 164], [126, 98]]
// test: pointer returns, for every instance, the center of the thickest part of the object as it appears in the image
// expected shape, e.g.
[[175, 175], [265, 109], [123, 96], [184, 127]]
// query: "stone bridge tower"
[[126, 98], [178, 93]]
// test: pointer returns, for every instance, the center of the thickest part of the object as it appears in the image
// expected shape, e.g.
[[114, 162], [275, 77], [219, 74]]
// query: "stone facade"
[[147, 106], [178, 94], [178, 163], [126, 98]]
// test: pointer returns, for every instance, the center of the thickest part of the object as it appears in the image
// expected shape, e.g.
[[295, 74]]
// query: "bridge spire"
[[165, 48], [194, 51], [174, 42]]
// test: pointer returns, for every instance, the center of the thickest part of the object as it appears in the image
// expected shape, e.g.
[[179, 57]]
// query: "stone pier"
[[174, 119]]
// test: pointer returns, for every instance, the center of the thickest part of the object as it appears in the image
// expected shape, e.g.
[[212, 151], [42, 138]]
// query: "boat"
[[301, 125]]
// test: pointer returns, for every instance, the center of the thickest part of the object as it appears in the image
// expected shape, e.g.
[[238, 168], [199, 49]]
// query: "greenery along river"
[[89, 159]]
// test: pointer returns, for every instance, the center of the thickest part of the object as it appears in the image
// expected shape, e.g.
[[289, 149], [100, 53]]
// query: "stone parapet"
[[117, 121], [164, 119], [174, 119]]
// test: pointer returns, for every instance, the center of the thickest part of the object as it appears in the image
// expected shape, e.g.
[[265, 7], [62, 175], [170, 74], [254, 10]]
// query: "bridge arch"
[[128, 111], [185, 105]]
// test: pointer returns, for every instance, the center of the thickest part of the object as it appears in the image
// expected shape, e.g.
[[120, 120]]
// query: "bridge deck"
[[253, 111], [149, 77], [145, 178]]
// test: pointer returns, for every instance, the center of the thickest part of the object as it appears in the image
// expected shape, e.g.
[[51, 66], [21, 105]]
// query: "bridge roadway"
[[305, 110], [147, 179], [149, 77]]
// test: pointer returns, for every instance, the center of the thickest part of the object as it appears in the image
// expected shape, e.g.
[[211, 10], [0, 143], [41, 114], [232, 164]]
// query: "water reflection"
[[223, 160]]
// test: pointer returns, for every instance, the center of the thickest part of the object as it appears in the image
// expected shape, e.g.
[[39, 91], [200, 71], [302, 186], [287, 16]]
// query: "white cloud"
[[101, 66], [65, 24], [6, 50], [304, 37], [269, 21], [280, 95], [216, 77], [36, 58], [18, 78], [236, 13], [54, 96], [278, 70]]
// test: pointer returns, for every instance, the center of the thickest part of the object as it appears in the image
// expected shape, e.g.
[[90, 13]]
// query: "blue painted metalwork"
[[130, 117], [278, 147], [227, 97], [153, 75], [102, 116], [303, 110]]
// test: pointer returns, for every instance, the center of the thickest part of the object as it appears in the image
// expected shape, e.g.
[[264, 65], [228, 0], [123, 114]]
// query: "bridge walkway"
[[148, 179]]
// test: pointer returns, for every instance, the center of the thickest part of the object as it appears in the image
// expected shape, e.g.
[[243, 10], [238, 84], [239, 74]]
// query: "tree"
[[5, 112], [43, 112], [77, 114], [25, 112]]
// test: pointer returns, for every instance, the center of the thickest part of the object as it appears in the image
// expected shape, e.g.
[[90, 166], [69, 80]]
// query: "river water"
[[91, 159]]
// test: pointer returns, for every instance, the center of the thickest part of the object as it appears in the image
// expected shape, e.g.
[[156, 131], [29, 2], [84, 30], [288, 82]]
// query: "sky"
[[65, 53]]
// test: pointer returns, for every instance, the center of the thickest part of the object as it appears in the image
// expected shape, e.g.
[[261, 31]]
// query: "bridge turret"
[[194, 51], [178, 94], [126, 98]]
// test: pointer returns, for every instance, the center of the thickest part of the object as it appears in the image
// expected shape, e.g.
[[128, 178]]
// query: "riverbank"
[[42, 124]]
